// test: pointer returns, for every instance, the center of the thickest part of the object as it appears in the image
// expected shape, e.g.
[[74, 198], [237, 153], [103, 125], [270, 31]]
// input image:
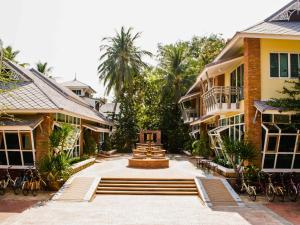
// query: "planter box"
[[226, 172], [82, 165]]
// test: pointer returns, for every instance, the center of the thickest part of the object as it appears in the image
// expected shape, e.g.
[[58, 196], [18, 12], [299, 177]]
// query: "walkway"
[[142, 210]]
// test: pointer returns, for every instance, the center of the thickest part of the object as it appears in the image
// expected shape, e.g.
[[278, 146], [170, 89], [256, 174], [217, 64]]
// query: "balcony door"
[[237, 80]]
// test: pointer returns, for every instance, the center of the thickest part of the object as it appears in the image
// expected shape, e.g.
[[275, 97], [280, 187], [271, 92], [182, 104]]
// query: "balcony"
[[190, 115], [220, 99]]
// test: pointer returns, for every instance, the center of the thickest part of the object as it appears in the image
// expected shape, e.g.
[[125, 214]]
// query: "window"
[[12, 140], [77, 92], [274, 65], [284, 65], [284, 72], [295, 65], [18, 148], [237, 80], [25, 141]]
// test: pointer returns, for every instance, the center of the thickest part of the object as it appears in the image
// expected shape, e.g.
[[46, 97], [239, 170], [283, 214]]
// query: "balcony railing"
[[220, 98], [189, 115]]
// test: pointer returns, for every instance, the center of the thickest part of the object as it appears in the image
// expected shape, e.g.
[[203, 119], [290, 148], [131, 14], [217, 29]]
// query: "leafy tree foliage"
[[121, 61], [149, 96], [43, 68], [121, 66], [126, 127], [11, 54], [291, 101]]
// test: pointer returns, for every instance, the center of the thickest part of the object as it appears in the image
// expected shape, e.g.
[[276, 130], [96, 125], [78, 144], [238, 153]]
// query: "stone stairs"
[[147, 186]]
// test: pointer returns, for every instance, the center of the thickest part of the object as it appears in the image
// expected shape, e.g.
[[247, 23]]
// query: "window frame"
[[289, 64]]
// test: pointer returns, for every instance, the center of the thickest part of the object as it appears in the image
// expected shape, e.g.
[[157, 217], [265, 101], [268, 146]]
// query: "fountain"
[[149, 153]]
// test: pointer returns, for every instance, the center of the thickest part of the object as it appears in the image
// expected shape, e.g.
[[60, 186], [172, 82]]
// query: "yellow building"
[[229, 96]]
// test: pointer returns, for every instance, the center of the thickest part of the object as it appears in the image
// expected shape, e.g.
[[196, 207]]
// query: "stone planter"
[[82, 165], [226, 172]]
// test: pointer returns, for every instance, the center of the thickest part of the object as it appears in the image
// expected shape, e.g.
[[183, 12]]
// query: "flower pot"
[[54, 185]]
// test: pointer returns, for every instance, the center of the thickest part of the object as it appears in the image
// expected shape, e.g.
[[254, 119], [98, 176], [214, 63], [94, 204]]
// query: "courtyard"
[[143, 210]]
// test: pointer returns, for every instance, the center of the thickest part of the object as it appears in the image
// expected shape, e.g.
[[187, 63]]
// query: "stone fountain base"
[[148, 163]]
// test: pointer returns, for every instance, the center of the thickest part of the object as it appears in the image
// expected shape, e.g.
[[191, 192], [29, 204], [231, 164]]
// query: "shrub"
[[237, 152], [55, 167], [200, 147], [90, 145]]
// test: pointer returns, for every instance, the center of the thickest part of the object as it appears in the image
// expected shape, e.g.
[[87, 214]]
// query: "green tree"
[[11, 54], [126, 126], [43, 68], [121, 61], [291, 99]]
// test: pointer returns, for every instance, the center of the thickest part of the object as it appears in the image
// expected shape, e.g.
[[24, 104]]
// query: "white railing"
[[189, 115], [221, 98]]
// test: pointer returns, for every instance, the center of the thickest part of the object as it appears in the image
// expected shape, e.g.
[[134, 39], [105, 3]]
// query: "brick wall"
[[252, 91], [42, 143]]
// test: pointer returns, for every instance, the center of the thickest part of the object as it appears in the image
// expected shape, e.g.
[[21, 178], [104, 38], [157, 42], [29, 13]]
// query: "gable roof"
[[42, 94], [77, 84], [280, 25]]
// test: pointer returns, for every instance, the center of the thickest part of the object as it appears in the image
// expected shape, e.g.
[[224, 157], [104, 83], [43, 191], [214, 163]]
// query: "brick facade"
[[42, 143], [252, 92]]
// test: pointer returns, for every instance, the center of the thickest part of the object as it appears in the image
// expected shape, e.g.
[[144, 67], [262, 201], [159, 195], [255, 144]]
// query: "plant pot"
[[54, 185]]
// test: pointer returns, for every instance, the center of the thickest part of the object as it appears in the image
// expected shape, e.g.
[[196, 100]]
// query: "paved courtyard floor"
[[143, 210]]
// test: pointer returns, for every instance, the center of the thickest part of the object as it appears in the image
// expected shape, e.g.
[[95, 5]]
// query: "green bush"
[[90, 145], [237, 152], [200, 147], [55, 167]]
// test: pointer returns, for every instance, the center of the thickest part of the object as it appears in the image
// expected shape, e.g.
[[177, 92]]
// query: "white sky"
[[67, 33]]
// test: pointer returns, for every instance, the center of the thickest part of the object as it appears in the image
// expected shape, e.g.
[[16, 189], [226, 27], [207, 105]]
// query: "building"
[[40, 105], [229, 96], [84, 91], [107, 109]]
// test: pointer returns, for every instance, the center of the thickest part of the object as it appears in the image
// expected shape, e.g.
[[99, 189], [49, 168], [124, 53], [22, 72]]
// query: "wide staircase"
[[147, 186]]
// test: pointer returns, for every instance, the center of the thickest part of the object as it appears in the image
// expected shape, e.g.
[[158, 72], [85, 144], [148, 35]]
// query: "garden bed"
[[76, 167]]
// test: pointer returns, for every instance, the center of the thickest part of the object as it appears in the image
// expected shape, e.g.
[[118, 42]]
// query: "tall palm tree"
[[121, 61], [173, 64], [43, 68]]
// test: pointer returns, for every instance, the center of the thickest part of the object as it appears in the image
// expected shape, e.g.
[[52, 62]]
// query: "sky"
[[67, 33]]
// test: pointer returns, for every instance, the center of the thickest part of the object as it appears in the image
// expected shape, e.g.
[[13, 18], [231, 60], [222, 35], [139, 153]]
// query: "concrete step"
[[145, 189], [146, 179], [146, 193], [144, 182], [147, 186]]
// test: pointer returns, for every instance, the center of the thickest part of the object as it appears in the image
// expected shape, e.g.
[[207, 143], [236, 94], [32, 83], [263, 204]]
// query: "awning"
[[263, 107], [203, 119], [95, 128], [20, 123], [189, 97], [215, 69]]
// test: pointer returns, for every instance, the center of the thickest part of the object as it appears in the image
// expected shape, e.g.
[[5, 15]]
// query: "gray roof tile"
[[41, 92]]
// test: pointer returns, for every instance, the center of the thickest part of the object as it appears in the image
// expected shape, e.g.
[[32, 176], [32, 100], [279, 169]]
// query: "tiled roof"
[[26, 96], [262, 106], [42, 93], [30, 122], [281, 28]]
